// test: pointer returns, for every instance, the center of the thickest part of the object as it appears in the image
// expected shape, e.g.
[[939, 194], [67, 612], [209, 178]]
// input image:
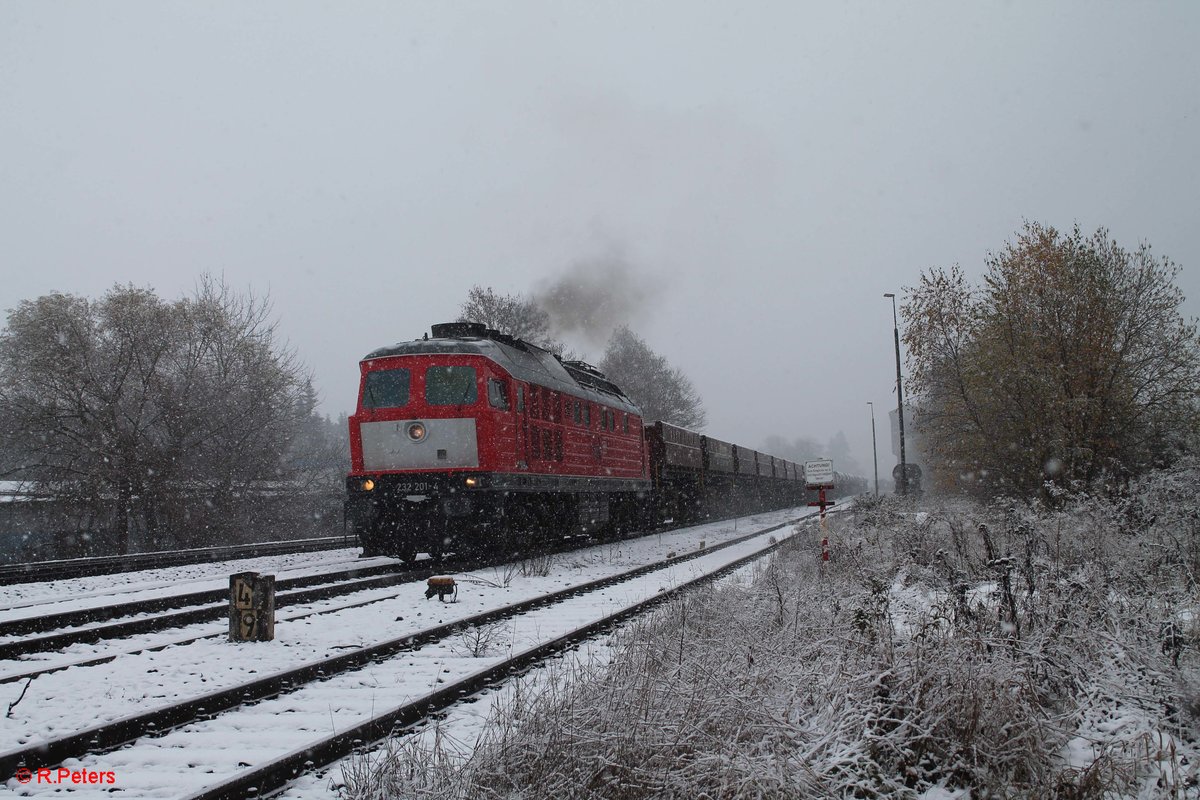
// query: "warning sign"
[[818, 474]]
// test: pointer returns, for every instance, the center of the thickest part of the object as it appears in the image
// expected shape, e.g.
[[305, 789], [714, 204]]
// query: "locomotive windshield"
[[450, 386], [386, 388]]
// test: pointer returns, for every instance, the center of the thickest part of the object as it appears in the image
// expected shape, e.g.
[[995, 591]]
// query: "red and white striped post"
[[819, 475]]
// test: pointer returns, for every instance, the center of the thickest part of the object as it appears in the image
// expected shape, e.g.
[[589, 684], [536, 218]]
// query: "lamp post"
[[874, 450], [902, 483]]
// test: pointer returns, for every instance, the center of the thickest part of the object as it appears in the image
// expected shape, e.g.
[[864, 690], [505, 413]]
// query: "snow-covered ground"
[[21, 600], [74, 699], [957, 652]]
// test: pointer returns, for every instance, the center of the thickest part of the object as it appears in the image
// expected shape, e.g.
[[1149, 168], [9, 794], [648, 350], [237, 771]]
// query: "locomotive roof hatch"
[[522, 360]]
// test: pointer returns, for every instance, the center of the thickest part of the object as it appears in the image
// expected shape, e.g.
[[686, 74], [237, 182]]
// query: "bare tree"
[[508, 313], [140, 409], [662, 391], [514, 315], [1070, 363]]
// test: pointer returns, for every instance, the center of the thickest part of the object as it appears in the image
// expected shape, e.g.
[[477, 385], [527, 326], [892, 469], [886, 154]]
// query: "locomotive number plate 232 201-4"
[[414, 487]]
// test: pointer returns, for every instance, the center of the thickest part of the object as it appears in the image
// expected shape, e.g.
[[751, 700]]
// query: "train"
[[469, 440]]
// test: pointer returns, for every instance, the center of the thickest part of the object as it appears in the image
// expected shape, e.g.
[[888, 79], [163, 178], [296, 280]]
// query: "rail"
[[37, 571]]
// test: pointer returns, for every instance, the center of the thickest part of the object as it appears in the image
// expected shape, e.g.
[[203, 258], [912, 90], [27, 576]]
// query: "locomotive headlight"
[[416, 431], [472, 482], [368, 485]]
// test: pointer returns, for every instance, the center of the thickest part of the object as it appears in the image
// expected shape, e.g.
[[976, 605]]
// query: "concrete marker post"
[[251, 607]]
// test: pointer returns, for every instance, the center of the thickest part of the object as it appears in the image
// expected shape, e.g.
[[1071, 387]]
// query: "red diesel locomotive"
[[474, 440], [469, 438]]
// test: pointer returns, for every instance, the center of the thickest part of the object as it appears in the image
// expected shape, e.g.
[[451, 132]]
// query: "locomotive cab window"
[[498, 393], [450, 386], [386, 388]]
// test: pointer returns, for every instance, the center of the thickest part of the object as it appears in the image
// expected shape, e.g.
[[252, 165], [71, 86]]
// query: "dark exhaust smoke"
[[596, 295]]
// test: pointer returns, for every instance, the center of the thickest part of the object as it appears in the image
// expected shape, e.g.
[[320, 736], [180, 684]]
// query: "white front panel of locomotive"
[[447, 444]]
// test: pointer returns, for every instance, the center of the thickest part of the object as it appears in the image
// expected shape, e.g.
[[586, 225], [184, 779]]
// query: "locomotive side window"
[[520, 398], [386, 388], [535, 401], [450, 386], [625, 417], [578, 413], [498, 393], [587, 415]]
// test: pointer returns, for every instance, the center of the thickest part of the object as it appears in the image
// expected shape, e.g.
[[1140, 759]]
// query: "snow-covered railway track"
[[37, 607], [288, 689], [18, 637], [84, 626], [277, 772], [107, 565], [82, 622], [302, 599]]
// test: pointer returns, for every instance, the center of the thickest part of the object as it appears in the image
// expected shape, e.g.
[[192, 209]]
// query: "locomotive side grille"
[[446, 444]]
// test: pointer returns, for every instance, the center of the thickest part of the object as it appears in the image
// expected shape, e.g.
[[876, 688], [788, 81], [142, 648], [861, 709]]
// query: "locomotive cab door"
[[522, 429]]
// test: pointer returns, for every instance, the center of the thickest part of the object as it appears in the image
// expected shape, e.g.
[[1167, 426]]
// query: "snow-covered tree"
[[319, 457], [138, 408], [1071, 362], [662, 391]]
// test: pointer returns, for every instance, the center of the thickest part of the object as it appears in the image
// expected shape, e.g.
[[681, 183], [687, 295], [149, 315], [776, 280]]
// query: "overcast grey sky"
[[765, 170]]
